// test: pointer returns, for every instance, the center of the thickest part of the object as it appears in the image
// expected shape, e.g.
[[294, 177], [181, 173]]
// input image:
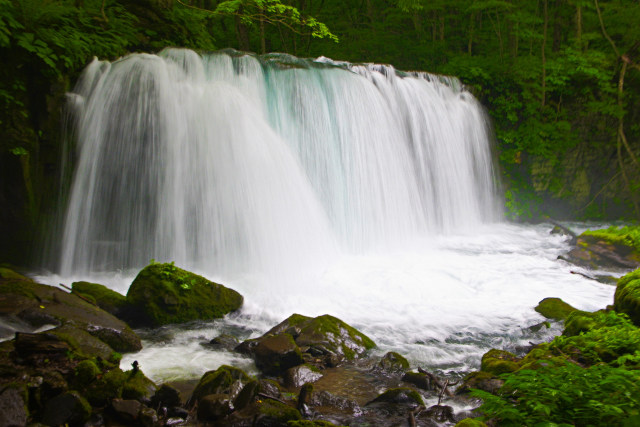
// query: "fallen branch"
[[266, 396], [436, 381]]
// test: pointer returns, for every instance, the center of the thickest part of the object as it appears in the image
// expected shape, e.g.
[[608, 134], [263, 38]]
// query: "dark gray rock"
[[13, 406]]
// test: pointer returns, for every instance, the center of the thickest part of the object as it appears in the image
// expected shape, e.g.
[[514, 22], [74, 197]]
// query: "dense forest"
[[559, 78]]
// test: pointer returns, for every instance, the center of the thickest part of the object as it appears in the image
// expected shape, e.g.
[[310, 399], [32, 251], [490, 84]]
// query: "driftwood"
[[266, 396], [443, 387], [413, 414]]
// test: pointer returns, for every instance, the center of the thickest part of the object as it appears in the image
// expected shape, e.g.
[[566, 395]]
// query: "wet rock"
[[105, 298], [498, 362], [86, 372], [219, 381], [213, 407], [554, 308], [126, 410], [304, 399], [13, 405], [107, 387], [223, 342], [402, 395], [299, 375], [83, 342], [440, 413], [325, 340], [394, 362], [325, 399], [247, 395], [163, 294], [137, 386], [40, 346], [67, 408], [418, 379], [599, 249], [166, 396], [40, 305], [627, 297], [53, 384], [481, 381], [148, 417], [275, 354], [265, 413]]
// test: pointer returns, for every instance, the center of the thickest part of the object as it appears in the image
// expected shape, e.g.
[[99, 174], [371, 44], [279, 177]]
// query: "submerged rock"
[[163, 294], [627, 297], [554, 308]]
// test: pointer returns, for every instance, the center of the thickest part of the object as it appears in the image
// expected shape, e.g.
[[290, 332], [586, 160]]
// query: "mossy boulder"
[[480, 380], [418, 379], [326, 339], [36, 305], [163, 293], [401, 395], [394, 362], [83, 343], [498, 362], [108, 300], [14, 405], [107, 387], [219, 381], [627, 297], [554, 308], [614, 247], [138, 387], [580, 321]]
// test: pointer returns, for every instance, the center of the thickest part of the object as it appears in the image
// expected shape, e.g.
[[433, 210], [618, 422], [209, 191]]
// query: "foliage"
[[588, 376], [566, 395]]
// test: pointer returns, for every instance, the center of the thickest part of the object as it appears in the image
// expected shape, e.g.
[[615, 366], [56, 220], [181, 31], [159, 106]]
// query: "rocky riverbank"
[[63, 366]]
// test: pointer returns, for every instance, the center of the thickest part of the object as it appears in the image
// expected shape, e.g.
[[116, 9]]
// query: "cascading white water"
[[312, 187], [227, 162]]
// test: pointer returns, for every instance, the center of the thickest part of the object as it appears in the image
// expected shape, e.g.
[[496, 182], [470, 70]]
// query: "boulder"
[[128, 411], [394, 362], [66, 408], [108, 300], [298, 375], [219, 381], [326, 341], [39, 305], [163, 293], [610, 248], [222, 342], [83, 343], [401, 395], [627, 297], [498, 362], [554, 308], [13, 405], [481, 381], [214, 407]]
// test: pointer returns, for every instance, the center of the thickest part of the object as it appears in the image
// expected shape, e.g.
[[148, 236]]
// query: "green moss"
[[399, 395], [163, 294], [83, 343], [277, 413], [86, 372], [343, 338], [554, 308], [218, 381], [108, 300], [138, 386], [625, 236], [497, 362], [470, 422], [107, 387], [627, 297], [7, 274]]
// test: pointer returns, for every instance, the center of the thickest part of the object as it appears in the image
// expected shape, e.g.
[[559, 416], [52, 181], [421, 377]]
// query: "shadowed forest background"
[[559, 78]]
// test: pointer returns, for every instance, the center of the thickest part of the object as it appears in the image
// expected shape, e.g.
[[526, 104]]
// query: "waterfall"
[[229, 162]]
